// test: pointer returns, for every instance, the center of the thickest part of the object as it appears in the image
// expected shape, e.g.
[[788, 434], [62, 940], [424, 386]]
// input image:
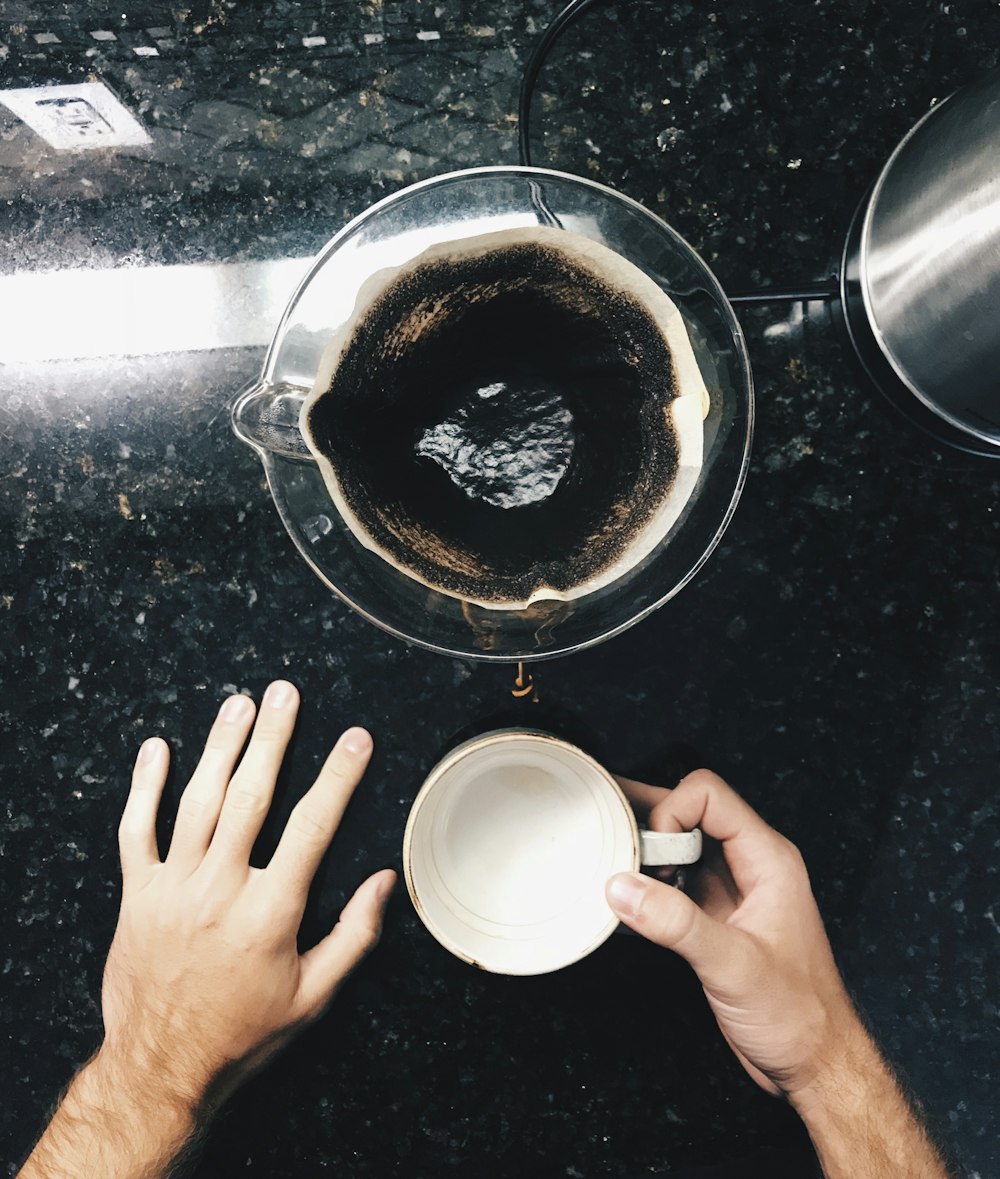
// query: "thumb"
[[667, 916], [355, 935]]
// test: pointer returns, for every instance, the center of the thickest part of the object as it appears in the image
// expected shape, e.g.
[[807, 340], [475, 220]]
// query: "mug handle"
[[657, 848]]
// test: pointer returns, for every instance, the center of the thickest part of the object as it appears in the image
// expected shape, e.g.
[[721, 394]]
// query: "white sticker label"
[[72, 118]]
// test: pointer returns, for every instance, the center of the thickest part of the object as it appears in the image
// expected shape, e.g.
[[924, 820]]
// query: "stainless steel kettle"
[[920, 280]]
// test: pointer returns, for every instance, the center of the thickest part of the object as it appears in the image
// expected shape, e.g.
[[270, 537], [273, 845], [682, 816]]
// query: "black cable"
[[560, 23], [820, 293]]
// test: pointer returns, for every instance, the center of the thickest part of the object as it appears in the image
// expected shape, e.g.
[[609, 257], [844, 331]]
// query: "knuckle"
[[344, 766], [708, 779], [129, 829], [194, 814], [791, 852], [661, 817], [247, 799], [221, 743], [677, 924], [791, 858], [371, 937], [266, 735], [339, 774], [364, 937], [194, 804], [309, 825]]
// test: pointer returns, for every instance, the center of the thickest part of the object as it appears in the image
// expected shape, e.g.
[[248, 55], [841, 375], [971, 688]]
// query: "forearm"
[[114, 1124], [860, 1121]]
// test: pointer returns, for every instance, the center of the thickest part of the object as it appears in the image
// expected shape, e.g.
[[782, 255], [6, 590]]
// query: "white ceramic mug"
[[510, 843]]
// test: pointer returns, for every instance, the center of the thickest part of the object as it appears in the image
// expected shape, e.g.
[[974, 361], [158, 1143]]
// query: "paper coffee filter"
[[685, 412]]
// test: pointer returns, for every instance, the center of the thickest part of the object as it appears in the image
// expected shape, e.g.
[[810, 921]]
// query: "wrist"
[[844, 1066], [844, 1053], [124, 1078], [115, 1121], [859, 1119]]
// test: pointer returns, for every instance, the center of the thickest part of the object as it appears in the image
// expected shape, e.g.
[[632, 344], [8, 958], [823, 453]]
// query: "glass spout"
[[266, 417]]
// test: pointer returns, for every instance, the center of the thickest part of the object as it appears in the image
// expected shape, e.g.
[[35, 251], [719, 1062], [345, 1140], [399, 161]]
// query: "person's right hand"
[[751, 930]]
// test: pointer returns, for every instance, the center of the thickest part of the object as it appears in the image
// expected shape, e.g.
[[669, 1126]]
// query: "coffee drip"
[[510, 418]]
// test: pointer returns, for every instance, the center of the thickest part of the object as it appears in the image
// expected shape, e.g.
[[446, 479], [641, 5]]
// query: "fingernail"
[[280, 694], [356, 741], [233, 709], [385, 886], [625, 893], [149, 752]]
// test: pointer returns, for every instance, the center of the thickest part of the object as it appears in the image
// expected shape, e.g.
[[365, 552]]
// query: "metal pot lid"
[[930, 260]]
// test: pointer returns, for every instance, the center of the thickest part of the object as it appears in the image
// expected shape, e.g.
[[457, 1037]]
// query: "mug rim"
[[485, 740]]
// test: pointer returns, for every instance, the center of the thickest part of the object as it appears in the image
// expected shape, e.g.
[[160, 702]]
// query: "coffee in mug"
[[511, 417]]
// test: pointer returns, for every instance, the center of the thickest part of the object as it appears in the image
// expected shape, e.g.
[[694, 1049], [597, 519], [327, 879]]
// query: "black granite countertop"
[[837, 658]]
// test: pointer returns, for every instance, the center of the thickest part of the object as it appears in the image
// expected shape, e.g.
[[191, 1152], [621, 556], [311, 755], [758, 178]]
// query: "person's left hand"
[[204, 981]]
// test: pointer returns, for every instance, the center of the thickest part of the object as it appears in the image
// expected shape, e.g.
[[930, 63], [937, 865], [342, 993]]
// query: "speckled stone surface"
[[837, 659]]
